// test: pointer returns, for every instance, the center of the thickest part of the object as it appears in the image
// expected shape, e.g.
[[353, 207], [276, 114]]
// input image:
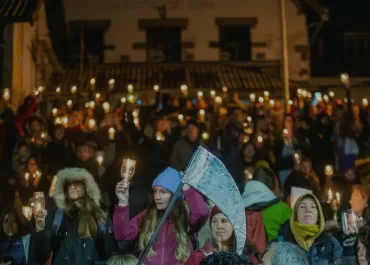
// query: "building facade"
[[235, 31]]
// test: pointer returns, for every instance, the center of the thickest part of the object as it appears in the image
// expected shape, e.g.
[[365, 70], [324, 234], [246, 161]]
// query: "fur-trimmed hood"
[[75, 174]]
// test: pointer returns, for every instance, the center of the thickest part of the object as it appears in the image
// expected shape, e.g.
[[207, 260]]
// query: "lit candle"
[[130, 88], [246, 139], [180, 117], [55, 111], [299, 92], [131, 98], [213, 93], [111, 83], [261, 99], [249, 119], [43, 135], [290, 102], [69, 103], [92, 124], [92, 81], [330, 195], [156, 88], [272, 102], [106, 107], [73, 89], [297, 157], [266, 94], [247, 174], [40, 89], [252, 97], [224, 89], [27, 176], [58, 120], [329, 170], [202, 112], [260, 139], [123, 100], [218, 100], [27, 212], [65, 121], [6, 94], [285, 132], [184, 89], [365, 102], [159, 136], [205, 135], [326, 98], [344, 77], [111, 133], [100, 158], [136, 122], [199, 94], [337, 195], [57, 90], [97, 95], [331, 94], [92, 104], [128, 169], [304, 93], [37, 93]]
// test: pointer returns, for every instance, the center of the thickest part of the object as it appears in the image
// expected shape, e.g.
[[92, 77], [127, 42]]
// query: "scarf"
[[306, 234]]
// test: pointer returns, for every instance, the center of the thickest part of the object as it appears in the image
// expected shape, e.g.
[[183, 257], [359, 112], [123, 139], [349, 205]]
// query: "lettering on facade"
[[170, 4]]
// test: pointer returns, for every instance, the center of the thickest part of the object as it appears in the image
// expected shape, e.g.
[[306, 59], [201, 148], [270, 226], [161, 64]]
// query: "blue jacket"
[[16, 255], [324, 251]]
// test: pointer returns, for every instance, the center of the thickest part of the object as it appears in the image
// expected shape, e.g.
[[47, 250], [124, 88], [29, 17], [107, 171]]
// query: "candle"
[[184, 88], [304, 93], [297, 158], [272, 102], [224, 89], [261, 100], [285, 132], [299, 92], [27, 212], [331, 94], [69, 103], [213, 93], [111, 133], [100, 158], [92, 104], [252, 97], [202, 112], [218, 100], [337, 195], [97, 95], [266, 94], [131, 98], [27, 176], [159, 136], [205, 136], [57, 90], [249, 119], [123, 100], [330, 195], [128, 169], [199, 94], [43, 135], [156, 88], [92, 123], [92, 81], [6, 94], [247, 174], [290, 102], [260, 139], [344, 77], [245, 138], [106, 107], [73, 89], [55, 111], [365, 102], [130, 88], [329, 171], [40, 89]]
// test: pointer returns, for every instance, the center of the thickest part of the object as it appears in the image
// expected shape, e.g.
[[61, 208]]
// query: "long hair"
[[90, 215], [179, 217], [24, 227], [123, 260]]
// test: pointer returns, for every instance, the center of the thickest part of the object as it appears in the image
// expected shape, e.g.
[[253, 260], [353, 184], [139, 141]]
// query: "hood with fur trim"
[[75, 174]]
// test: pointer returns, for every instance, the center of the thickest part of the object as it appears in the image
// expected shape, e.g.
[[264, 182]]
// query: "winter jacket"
[[199, 255], [66, 246], [325, 249], [258, 197], [63, 244], [16, 250], [165, 244]]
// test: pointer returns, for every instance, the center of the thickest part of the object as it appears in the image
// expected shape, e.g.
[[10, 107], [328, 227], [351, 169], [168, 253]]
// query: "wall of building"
[[28, 56], [124, 30]]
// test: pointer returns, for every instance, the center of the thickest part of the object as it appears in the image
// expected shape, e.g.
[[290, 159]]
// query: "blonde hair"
[[90, 216], [179, 217], [127, 259]]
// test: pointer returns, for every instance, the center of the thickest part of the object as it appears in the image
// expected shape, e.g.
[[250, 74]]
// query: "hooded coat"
[[324, 249], [258, 198], [64, 246]]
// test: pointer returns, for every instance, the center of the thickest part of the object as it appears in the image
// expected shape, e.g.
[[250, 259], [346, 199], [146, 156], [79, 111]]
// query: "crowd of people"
[[301, 175]]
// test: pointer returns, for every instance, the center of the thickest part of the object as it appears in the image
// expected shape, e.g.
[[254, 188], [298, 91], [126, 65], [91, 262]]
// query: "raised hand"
[[122, 192], [40, 220]]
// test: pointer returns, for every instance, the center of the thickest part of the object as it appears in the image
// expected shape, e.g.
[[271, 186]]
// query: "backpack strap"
[[58, 217]]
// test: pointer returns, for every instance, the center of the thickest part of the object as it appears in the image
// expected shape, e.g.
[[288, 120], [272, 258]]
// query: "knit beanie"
[[169, 179]]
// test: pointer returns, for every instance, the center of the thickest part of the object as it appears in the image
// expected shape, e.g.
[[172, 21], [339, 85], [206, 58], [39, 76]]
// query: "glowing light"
[[92, 123], [6, 94], [224, 89], [92, 81], [69, 103], [106, 107], [156, 88], [73, 89], [261, 99], [123, 100], [199, 94], [55, 111], [365, 102], [266, 94], [331, 94], [272, 102], [205, 135], [252, 97], [92, 104], [202, 112], [131, 98], [213, 93], [111, 81], [184, 88], [290, 102], [97, 95], [130, 88], [218, 99], [57, 90], [180, 117]]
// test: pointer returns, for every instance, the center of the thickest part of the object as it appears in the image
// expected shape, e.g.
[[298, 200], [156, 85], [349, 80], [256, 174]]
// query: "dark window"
[[93, 41], [235, 43], [164, 44]]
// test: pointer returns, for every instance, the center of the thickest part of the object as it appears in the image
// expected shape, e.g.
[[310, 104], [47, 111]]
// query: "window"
[[235, 43], [93, 41], [163, 44]]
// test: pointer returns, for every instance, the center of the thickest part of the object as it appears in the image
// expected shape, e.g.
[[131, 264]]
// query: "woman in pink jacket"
[[172, 245]]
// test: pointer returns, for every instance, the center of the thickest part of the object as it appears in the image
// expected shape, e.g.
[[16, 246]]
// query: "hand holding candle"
[[111, 134]]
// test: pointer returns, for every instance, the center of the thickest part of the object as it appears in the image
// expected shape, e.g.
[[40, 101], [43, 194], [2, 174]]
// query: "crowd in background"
[[72, 149]]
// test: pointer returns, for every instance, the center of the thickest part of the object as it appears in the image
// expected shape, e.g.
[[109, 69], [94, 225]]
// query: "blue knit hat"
[[169, 179]]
